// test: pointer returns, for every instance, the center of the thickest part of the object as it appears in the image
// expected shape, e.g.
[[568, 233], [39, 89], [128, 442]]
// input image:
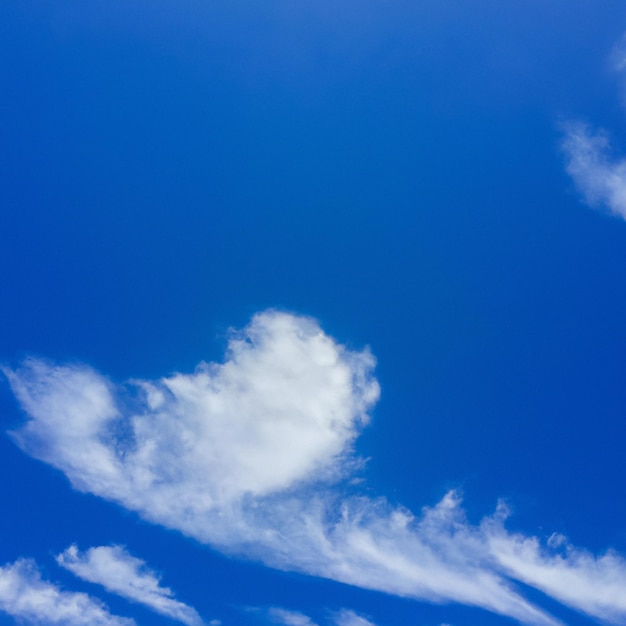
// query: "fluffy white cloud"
[[119, 572], [600, 177], [26, 597], [242, 455], [285, 406]]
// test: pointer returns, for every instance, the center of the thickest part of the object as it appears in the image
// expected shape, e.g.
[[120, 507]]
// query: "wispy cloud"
[[346, 617], [242, 455], [121, 573], [593, 585], [437, 556], [26, 597], [289, 618], [618, 56], [598, 175], [597, 171]]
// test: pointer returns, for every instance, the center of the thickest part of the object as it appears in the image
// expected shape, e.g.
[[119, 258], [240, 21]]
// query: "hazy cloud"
[[121, 573], [618, 55], [598, 175], [345, 617], [289, 618], [25, 596]]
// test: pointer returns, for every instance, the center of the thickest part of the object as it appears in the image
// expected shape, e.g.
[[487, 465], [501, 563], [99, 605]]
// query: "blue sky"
[[312, 313]]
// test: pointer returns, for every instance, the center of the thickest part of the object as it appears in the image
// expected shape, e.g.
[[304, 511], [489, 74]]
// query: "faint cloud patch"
[[285, 617], [599, 175], [617, 58], [346, 617], [597, 171]]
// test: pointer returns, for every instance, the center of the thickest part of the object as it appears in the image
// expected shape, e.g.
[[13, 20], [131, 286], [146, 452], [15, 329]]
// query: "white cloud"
[[26, 597], [599, 177], [119, 572], [239, 455], [345, 617], [286, 405], [438, 557], [593, 585], [289, 618], [242, 455]]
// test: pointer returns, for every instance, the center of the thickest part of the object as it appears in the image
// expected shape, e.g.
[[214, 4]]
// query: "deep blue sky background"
[[392, 169]]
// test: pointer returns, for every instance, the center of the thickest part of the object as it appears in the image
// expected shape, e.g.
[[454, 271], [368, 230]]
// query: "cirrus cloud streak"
[[26, 597], [121, 573]]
